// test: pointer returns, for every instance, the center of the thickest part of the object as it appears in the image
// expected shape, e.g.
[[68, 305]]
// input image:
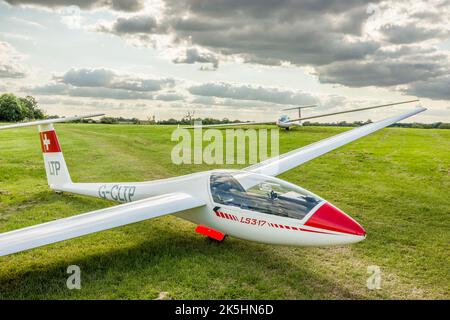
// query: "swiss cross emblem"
[[49, 142], [46, 142]]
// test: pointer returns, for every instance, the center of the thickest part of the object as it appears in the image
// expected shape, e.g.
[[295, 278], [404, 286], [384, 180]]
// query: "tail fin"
[[55, 165]]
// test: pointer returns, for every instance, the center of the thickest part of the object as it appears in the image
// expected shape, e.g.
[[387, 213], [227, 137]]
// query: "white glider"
[[285, 122], [249, 204]]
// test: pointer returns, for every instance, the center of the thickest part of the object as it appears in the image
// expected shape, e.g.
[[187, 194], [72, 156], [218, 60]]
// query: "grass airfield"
[[395, 182]]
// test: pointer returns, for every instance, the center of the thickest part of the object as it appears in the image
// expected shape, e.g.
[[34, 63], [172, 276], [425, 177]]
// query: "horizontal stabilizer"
[[302, 107]]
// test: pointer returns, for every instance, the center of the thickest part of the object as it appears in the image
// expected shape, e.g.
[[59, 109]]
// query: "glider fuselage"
[[250, 215]]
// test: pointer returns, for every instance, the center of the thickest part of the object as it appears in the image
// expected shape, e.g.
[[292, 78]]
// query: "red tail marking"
[[49, 141]]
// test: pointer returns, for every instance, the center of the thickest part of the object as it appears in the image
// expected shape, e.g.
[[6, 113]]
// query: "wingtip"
[[93, 115]]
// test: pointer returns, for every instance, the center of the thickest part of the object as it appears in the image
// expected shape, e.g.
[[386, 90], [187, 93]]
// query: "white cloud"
[[10, 62]]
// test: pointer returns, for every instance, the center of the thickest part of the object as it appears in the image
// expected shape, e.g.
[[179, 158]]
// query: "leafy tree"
[[108, 120], [11, 108], [31, 108], [14, 109]]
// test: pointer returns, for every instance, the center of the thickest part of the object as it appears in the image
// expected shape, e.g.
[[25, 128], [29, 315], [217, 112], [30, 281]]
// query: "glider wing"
[[49, 121], [277, 165], [348, 111], [94, 221]]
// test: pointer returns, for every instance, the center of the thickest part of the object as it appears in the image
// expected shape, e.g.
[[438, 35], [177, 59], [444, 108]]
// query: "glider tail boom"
[[55, 165]]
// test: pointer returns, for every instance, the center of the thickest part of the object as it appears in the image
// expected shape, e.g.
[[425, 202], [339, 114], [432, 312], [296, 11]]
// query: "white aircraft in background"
[[285, 122], [249, 204]]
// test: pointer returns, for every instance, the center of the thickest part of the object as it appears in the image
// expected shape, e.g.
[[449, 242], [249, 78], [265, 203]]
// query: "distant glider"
[[249, 204], [285, 122]]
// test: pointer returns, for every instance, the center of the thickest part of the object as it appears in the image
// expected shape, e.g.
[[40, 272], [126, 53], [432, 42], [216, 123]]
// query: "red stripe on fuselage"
[[307, 230]]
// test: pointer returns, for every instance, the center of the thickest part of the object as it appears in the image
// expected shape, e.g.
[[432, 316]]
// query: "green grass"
[[394, 182]]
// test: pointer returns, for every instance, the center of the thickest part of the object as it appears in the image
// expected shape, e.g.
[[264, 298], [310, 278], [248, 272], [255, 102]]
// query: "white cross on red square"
[[46, 142]]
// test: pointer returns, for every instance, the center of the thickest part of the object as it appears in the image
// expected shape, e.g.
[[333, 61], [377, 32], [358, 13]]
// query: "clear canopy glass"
[[283, 118], [261, 193]]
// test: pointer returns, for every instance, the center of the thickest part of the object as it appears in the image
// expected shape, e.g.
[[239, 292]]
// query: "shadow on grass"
[[187, 265]]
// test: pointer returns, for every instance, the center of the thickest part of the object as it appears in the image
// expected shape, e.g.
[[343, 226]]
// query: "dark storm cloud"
[[137, 24], [61, 89], [301, 32], [265, 32], [126, 5], [437, 88], [193, 55], [287, 9], [139, 27], [119, 5], [328, 35], [246, 92], [110, 79], [388, 67], [392, 73], [411, 33], [88, 77], [104, 83]]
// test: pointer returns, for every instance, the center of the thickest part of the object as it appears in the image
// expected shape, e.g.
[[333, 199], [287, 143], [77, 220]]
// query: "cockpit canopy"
[[283, 118], [255, 192]]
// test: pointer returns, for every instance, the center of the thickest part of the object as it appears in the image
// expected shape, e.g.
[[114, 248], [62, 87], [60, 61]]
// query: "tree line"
[[15, 109], [207, 121]]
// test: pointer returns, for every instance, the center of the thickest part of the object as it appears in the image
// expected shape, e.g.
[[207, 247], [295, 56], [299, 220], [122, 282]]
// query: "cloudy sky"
[[239, 59]]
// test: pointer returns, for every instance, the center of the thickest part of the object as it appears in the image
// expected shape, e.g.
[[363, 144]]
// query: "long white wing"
[[91, 222], [277, 165], [47, 121], [349, 111]]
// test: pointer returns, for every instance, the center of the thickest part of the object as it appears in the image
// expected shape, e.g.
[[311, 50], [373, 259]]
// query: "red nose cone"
[[331, 218]]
